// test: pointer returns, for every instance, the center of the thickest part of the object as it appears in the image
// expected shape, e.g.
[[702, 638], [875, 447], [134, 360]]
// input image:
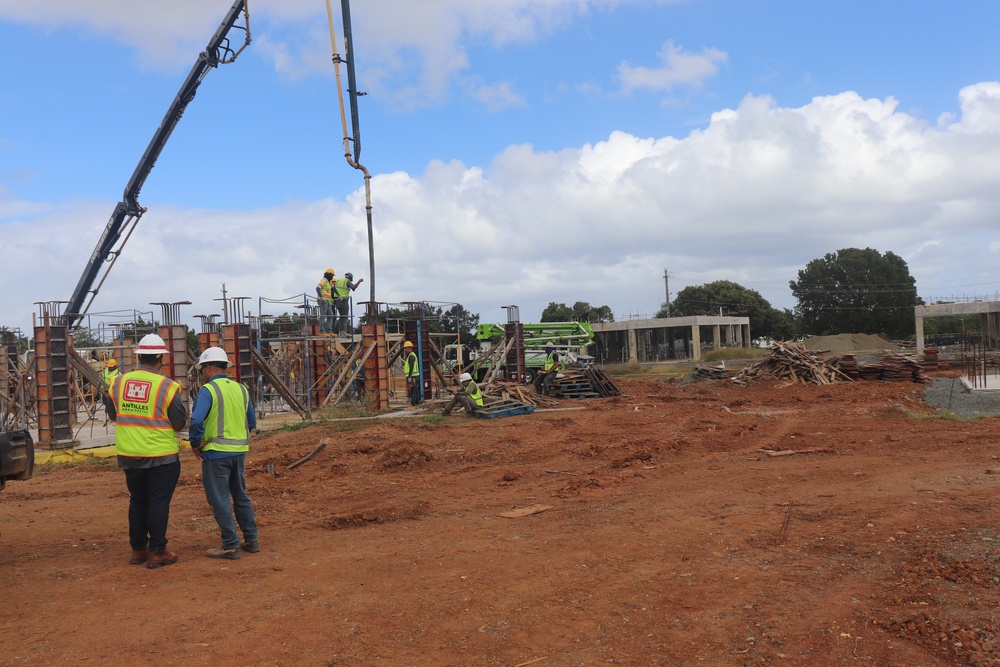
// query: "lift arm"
[[128, 211]]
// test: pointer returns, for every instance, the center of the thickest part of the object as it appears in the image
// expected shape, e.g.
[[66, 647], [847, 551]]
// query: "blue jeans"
[[150, 491], [222, 478], [325, 316]]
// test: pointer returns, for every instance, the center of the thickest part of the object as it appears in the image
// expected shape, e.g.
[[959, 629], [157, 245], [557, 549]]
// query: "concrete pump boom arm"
[[128, 211]]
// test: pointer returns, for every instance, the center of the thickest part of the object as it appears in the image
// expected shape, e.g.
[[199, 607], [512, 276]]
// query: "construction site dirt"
[[696, 523]]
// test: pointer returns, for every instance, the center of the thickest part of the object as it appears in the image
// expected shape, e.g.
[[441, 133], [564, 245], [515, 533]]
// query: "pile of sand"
[[849, 343]]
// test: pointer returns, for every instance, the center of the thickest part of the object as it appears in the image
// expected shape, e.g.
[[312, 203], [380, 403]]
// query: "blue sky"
[[522, 152]]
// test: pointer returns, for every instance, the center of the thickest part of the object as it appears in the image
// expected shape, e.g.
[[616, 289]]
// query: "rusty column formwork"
[[515, 368], [176, 364], [236, 343], [377, 365], [319, 352], [55, 423], [209, 334]]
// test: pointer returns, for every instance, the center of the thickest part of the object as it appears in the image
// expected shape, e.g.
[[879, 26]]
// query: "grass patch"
[[729, 353], [944, 415]]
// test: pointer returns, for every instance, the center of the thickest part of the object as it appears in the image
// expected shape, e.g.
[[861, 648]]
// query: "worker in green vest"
[[221, 421], [324, 299], [550, 369], [411, 371], [110, 372], [469, 396], [342, 300], [148, 410]]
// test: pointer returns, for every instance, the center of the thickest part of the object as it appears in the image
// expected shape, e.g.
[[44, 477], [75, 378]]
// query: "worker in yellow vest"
[[411, 371], [221, 421], [341, 298], [148, 410], [470, 396], [110, 372], [324, 299], [550, 370]]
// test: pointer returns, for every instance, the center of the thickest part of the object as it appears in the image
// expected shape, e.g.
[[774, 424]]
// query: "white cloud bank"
[[753, 197]]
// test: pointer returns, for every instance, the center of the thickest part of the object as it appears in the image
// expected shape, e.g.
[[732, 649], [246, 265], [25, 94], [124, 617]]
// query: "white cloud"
[[678, 68], [752, 197]]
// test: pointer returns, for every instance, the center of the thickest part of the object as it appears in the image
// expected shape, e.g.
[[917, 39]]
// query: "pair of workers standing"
[[148, 411], [330, 294]]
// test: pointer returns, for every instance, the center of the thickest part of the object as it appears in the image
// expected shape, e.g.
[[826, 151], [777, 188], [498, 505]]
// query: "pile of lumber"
[[792, 361], [895, 367], [710, 372], [524, 393]]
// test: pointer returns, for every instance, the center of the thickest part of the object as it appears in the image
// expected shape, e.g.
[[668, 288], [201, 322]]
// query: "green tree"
[[580, 312], [458, 320], [728, 298], [856, 291]]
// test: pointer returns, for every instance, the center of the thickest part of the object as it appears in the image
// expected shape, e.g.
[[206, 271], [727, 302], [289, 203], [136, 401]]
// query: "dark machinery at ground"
[[17, 455]]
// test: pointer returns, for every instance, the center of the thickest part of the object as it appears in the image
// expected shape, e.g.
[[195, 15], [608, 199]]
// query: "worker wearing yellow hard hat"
[[324, 299], [110, 372], [411, 371]]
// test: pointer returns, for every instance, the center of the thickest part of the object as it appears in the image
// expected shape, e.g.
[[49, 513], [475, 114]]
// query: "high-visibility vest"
[[550, 361], [410, 368], [143, 428], [325, 289], [474, 393], [342, 289], [226, 428], [108, 375]]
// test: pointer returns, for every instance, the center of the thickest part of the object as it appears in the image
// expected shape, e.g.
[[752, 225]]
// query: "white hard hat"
[[213, 354], [152, 344], [466, 377]]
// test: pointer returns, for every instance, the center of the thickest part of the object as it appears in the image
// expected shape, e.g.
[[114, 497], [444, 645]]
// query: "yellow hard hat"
[[407, 344], [112, 363], [330, 271]]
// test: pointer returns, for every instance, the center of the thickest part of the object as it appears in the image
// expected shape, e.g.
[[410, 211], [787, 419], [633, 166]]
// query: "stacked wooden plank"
[[710, 372], [518, 392], [586, 382], [792, 361], [895, 367]]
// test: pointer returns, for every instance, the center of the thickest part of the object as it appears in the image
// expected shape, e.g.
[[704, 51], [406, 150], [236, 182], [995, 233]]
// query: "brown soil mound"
[[849, 343], [656, 528]]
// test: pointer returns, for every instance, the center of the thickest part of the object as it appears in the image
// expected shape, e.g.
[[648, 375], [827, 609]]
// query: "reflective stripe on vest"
[[143, 427], [410, 369], [325, 287], [109, 375], [226, 425], [474, 393]]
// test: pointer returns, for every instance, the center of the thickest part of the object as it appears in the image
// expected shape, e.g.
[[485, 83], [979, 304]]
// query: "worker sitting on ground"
[[469, 396], [546, 376]]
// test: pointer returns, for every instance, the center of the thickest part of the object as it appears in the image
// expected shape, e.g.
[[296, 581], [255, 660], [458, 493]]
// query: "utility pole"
[[666, 285]]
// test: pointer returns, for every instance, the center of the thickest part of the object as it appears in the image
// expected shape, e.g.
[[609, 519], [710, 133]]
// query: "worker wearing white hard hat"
[[221, 422], [470, 396], [148, 410]]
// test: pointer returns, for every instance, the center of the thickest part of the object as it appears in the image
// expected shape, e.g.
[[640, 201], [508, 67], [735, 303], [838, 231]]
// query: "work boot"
[[161, 559], [139, 556], [252, 547], [220, 552]]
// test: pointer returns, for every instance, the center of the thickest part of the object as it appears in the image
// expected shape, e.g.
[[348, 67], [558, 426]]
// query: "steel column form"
[[515, 368], [236, 343], [55, 423], [176, 364], [377, 365]]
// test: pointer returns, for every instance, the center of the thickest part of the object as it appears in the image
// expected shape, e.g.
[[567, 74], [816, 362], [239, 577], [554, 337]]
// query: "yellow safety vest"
[[325, 289], [108, 375], [410, 369], [550, 362], [226, 427], [143, 428], [343, 289], [474, 393]]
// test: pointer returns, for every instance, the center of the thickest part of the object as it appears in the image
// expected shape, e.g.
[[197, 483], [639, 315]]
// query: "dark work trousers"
[[150, 491], [415, 390]]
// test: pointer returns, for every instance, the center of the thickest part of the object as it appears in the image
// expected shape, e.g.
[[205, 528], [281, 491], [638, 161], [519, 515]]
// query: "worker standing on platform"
[[324, 299], [221, 422], [342, 294], [148, 410], [469, 396], [411, 370]]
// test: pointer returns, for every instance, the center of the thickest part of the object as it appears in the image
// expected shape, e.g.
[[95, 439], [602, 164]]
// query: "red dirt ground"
[[672, 539]]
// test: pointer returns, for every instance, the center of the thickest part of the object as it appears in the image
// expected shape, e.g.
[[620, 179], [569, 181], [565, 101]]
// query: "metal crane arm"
[[128, 211]]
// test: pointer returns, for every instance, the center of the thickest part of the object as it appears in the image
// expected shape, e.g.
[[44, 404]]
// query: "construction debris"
[[895, 367], [586, 382], [792, 361]]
